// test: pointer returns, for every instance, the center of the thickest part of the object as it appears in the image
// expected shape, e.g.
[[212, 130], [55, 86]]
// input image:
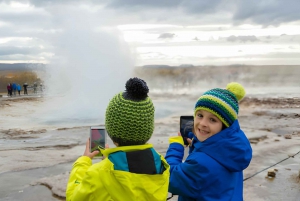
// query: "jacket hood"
[[124, 185], [230, 147]]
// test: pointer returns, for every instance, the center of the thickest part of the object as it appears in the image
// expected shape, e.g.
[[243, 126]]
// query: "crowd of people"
[[14, 88], [219, 151]]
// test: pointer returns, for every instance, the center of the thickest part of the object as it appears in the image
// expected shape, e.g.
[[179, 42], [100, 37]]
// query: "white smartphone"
[[97, 138]]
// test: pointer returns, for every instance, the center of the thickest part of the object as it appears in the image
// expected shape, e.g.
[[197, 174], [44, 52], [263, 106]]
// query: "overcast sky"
[[171, 32]]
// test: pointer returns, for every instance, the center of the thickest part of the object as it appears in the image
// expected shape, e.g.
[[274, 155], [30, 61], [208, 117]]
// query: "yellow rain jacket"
[[111, 179]]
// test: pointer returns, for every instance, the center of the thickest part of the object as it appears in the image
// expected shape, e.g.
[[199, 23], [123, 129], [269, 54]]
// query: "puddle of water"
[[33, 193], [280, 131], [16, 185]]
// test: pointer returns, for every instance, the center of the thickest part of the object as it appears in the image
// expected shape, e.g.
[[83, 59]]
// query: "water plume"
[[90, 64]]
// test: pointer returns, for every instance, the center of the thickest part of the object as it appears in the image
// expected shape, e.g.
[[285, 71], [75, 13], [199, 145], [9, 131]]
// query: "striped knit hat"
[[129, 116], [222, 102]]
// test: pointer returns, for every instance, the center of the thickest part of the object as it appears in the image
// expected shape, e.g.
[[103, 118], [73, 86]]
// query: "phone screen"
[[186, 126], [97, 139]]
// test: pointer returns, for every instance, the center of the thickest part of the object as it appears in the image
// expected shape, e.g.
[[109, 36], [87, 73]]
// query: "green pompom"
[[237, 89]]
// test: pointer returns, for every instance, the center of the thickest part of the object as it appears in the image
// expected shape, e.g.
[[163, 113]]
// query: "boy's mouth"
[[203, 132]]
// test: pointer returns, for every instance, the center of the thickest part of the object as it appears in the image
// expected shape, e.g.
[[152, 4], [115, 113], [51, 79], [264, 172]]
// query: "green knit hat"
[[129, 118]]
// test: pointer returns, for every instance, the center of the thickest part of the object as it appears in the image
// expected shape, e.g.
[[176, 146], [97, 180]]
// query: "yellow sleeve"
[[177, 139], [77, 174]]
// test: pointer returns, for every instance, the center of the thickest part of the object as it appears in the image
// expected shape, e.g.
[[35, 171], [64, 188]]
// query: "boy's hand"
[[187, 139], [87, 151]]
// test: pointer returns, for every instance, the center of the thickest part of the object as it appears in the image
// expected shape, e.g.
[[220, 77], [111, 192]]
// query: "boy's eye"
[[200, 115], [213, 120]]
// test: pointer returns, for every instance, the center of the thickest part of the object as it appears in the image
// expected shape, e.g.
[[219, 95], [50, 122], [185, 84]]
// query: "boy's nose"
[[203, 122]]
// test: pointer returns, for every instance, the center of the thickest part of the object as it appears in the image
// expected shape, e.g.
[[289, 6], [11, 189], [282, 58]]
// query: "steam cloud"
[[90, 65]]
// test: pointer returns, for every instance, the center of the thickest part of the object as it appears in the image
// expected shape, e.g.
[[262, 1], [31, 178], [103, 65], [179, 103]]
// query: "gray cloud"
[[23, 58], [242, 38], [171, 11], [47, 20], [267, 12], [28, 18], [193, 6], [135, 4], [49, 3], [166, 35], [206, 6], [10, 50]]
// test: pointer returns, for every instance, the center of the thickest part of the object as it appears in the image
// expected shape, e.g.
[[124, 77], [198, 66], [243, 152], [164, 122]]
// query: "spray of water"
[[90, 65]]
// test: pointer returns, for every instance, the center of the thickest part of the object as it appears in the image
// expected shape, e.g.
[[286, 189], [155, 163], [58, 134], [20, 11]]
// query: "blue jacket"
[[14, 86], [213, 171]]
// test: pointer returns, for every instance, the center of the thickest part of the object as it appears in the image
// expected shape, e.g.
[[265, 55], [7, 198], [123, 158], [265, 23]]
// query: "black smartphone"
[[97, 138], [186, 126]]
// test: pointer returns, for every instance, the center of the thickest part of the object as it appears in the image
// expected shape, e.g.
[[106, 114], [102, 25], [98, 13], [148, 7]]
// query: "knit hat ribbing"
[[129, 116], [222, 102]]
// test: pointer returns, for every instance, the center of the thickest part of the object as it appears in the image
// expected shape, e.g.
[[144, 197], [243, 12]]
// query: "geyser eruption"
[[90, 65]]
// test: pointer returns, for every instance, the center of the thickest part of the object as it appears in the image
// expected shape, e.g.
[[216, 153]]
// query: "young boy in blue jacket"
[[213, 170]]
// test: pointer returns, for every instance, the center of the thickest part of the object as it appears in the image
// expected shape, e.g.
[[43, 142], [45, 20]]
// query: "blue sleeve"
[[174, 155], [187, 178]]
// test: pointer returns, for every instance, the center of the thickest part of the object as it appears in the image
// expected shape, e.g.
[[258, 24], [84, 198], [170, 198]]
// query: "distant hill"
[[21, 67], [167, 77], [167, 66], [157, 66]]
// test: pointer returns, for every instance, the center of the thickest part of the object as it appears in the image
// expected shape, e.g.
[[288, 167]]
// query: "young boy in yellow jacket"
[[133, 171]]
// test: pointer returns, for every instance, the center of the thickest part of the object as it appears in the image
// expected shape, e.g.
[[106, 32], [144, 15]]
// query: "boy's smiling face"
[[206, 125]]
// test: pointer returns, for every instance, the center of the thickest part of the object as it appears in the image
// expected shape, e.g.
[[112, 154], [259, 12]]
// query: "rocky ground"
[[36, 160]]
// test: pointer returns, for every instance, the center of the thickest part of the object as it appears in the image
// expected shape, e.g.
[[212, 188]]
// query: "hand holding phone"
[[186, 126], [87, 151], [97, 139]]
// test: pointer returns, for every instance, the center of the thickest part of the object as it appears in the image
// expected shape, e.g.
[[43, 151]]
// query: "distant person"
[[8, 89], [19, 89], [14, 88], [11, 89], [214, 168], [133, 170], [41, 87], [25, 88], [35, 87]]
